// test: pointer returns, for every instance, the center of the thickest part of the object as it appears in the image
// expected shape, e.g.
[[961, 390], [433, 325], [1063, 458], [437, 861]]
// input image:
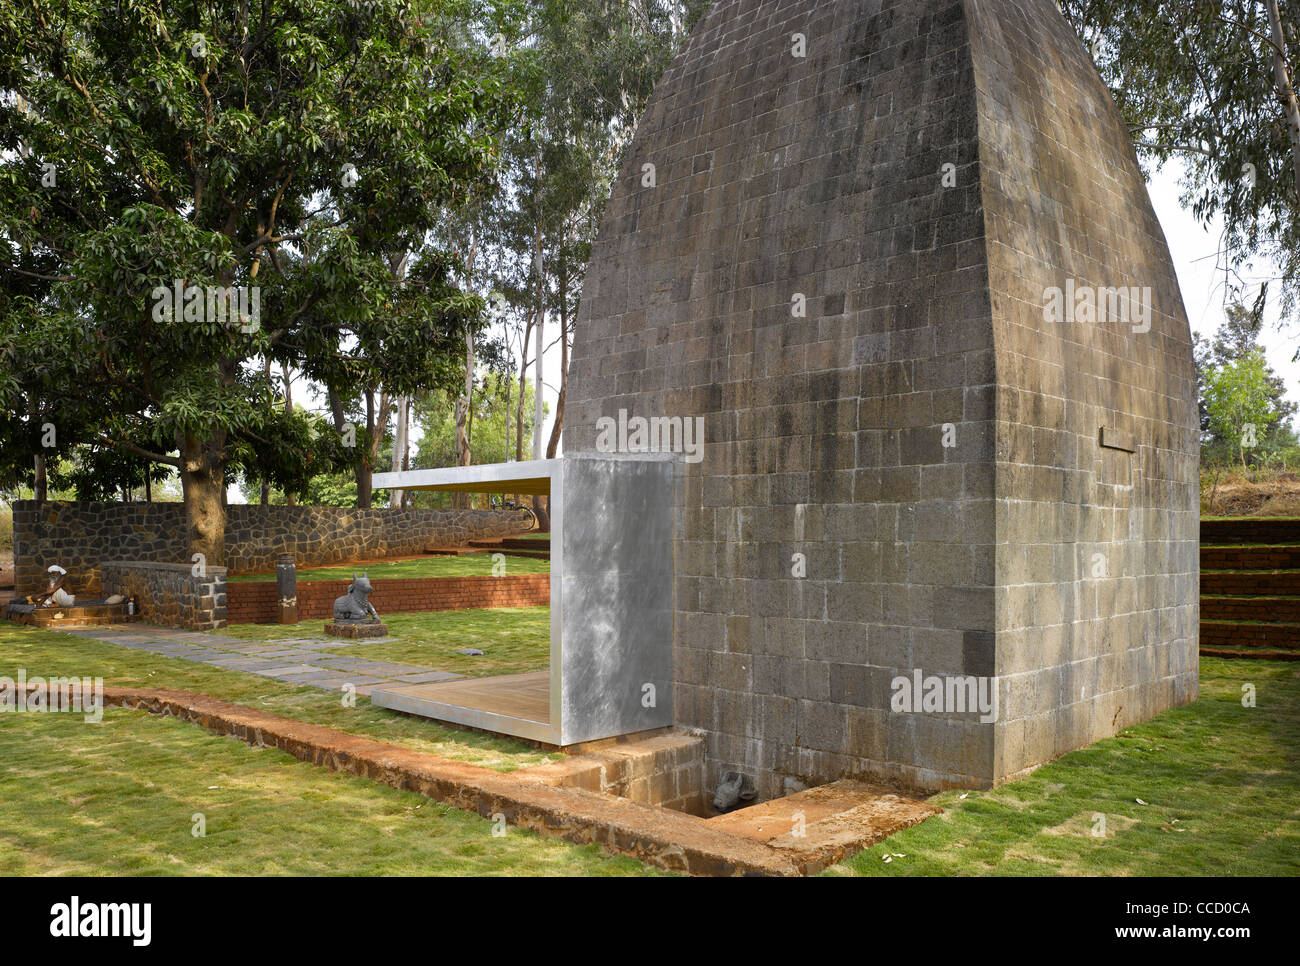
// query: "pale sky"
[[1192, 249]]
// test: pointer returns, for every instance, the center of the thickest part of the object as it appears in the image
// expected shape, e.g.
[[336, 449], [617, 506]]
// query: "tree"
[[173, 154], [1233, 346], [1238, 403], [1213, 82]]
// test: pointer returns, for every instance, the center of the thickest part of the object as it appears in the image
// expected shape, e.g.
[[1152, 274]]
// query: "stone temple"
[[900, 258]]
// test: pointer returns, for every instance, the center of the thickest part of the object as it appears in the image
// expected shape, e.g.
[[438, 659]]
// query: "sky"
[[1192, 249]]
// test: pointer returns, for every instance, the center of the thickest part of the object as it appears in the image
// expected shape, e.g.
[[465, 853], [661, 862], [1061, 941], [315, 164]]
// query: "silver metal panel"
[[615, 584]]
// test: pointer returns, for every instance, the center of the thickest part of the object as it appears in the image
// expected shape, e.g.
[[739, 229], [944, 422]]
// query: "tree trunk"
[[203, 488], [553, 445], [399, 447], [464, 416], [288, 388], [1285, 88], [519, 412], [39, 484], [376, 425]]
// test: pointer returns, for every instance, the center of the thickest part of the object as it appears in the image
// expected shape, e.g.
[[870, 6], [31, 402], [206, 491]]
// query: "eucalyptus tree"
[[1213, 82]]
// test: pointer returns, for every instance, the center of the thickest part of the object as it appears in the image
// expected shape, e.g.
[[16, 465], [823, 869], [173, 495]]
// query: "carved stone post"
[[286, 586]]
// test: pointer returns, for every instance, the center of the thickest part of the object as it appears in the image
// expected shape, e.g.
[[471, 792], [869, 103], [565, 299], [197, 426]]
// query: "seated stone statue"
[[58, 594], [355, 604]]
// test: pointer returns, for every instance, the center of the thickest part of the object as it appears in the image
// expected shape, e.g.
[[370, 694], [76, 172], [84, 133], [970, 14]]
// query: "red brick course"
[[1278, 583], [1225, 634], [257, 603], [1273, 609], [1250, 558], [1250, 530]]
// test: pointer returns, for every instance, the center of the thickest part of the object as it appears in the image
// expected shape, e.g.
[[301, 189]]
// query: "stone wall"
[[79, 536], [170, 594], [841, 267]]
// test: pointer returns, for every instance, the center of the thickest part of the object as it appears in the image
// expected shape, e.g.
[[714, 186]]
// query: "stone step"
[[873, 812]]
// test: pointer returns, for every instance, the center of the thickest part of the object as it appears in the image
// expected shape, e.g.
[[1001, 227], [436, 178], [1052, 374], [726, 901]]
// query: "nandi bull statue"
[[355, 604], [732, 790]]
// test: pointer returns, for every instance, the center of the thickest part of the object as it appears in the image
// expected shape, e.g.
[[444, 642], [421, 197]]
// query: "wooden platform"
[[511, 704]]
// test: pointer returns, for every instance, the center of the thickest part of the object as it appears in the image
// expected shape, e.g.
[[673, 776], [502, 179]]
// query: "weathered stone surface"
[[171, 595], [842, 265], [356, 629], [79, 536]]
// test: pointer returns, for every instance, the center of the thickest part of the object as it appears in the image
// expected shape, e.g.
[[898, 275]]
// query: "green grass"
[[119, 798], [48, 653], [514, 639], [1221, 783], [472, 565]]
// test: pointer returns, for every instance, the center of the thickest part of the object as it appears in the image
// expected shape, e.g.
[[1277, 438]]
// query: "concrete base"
[[356, 629]]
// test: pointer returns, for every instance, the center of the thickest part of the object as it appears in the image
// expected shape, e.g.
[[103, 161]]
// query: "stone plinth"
[[356, 629]]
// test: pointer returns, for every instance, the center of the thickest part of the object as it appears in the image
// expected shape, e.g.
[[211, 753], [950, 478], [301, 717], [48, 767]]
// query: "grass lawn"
[[514, 639], [48, 653], [119, 798], [471, 565], [1221, 785]]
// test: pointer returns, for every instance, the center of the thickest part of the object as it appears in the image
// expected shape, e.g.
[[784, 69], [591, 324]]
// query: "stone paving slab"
[[293, 660], [428, 677]]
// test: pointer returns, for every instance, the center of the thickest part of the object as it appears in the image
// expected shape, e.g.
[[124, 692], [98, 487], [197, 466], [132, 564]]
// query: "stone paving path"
[[297, 661]]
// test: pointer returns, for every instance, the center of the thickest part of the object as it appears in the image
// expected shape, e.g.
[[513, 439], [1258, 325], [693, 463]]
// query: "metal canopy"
[[530, 477]]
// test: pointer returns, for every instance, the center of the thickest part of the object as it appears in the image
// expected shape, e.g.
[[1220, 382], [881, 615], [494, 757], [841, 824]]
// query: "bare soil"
[[1234, 495]]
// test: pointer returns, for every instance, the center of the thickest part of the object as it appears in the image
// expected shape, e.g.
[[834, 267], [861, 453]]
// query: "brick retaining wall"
[[257, 603], [1250, 558], [1251, 530]]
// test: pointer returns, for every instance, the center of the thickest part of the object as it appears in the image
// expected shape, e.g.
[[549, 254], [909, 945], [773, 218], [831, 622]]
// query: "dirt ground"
[[1233, 495], [6, 568]]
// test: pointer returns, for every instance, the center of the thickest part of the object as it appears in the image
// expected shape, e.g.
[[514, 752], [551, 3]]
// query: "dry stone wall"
[[80, 536]]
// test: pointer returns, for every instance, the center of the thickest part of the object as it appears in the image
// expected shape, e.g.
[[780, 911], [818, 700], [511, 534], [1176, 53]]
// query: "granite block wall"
[[831, 239], [79, 536], [170, 595]]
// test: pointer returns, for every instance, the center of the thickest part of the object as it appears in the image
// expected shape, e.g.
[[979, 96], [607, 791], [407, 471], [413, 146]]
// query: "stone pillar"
[[286, 586]]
